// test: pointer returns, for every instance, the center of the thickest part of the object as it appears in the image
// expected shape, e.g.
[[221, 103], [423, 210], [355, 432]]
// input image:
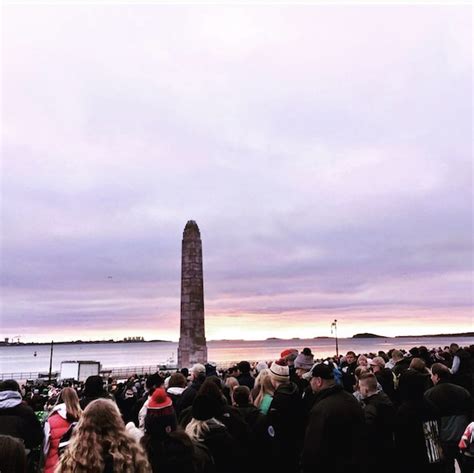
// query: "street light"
[[334, 327]]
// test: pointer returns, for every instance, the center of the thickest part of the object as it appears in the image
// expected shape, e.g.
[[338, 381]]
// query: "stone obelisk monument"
[[192, 341]]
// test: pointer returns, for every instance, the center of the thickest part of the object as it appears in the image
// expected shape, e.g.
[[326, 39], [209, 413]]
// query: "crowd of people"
[[407, 412]]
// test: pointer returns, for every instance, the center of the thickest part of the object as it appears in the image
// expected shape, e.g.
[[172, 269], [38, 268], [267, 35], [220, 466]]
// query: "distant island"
[[367, 335], [464, 334]]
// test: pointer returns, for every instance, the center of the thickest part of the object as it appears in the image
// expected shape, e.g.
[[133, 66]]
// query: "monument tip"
[[191, 230]]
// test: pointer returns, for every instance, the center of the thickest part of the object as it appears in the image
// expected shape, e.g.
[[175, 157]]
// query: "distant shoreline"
[[354, 337]]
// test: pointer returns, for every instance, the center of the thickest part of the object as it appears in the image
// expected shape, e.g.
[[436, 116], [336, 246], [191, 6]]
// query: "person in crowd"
[[303, 364], [198, 376], [348, 368], [461, 367], [37, 401], [205, 428], [425, 356], [263, 392], [261, 365], [160, 422], [229, 385], [93, 389], [176, 386], [289, 356], [401, 363], [454, 404], [66, 411], [416, 432], [335, 434], [153, 382], [466, 447], [359, 371], [379, 414], [243, 402], [211, 369], [126, 401], [384, 376], [362, 360], [12, 455], [285, 422], [245, 378], [17, 419], [101, 444]]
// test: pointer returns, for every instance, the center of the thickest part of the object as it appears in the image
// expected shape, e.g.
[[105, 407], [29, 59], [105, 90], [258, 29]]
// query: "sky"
[[324, 151]]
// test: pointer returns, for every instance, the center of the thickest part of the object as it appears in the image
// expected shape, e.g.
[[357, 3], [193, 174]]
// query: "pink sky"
[[324, 151]]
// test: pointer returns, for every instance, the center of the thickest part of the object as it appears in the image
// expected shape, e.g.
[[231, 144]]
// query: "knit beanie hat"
[[305, 360], [279, 371], [160, 419], [261, 365], [159, 399], [289, 354], [203, 407]]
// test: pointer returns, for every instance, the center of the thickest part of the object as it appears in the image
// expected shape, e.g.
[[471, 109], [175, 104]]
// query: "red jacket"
[[58, 426]]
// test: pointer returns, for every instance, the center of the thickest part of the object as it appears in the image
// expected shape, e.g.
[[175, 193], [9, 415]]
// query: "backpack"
[[66, 438]]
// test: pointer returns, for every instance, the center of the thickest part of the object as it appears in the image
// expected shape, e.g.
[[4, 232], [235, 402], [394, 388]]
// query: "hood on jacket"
[[9, 399], [60, 409], [177, 391]]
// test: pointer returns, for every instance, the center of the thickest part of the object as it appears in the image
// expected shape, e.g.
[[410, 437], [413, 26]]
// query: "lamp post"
[[334, 327], [51, 361]]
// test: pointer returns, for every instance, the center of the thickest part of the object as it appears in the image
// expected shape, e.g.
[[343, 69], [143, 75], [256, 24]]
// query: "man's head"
[[397, 355], [439, 372], [241, 396], [453, 348], [244, 367], [322, 377], [350, 357], [153, 381], [377, 364], [367, 384], [198, 370]]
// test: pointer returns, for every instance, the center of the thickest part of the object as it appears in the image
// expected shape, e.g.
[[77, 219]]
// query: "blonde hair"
[[231, 383], [73, 408], [264, 385], [101, 432], [197, 429]]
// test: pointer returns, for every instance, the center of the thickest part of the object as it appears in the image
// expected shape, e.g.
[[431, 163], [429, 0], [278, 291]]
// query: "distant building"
[[133, 339]]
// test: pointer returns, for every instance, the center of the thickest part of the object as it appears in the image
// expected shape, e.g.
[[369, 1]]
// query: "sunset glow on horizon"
[[325, 156]]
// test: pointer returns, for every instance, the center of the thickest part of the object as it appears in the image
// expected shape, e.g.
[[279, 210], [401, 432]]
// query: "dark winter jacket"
[[416, 445], [246, 379], [385, 379], [284, 430], [348, 376], [190, 393], [380, 420], [335, 439], [18, 419], [454, 405], [401, 366]]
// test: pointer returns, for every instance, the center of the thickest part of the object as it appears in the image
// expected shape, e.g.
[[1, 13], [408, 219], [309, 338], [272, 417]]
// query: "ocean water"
[[16, 359]]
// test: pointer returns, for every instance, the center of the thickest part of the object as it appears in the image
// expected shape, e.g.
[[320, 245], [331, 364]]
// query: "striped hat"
[[279, 371]]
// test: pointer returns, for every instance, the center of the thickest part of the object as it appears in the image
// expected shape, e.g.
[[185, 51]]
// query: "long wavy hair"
[[264, 384], [69, 397], [99, 435]]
